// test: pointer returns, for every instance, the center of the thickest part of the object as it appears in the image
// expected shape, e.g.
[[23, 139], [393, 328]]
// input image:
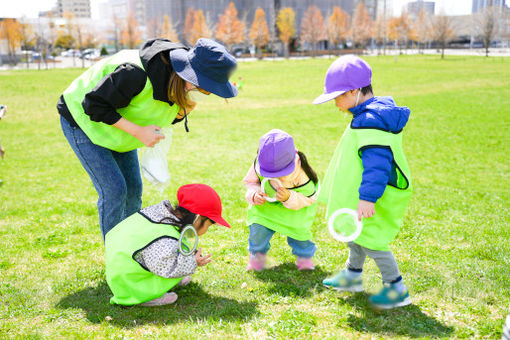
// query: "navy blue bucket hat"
[[207, 65]]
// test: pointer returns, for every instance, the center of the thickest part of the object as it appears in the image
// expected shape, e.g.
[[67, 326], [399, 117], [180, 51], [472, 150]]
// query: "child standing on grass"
[[143, 259], [368, 172], [293, 212]]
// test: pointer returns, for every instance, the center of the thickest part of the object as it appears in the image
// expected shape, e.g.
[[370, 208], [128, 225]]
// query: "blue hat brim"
[[182, 66]]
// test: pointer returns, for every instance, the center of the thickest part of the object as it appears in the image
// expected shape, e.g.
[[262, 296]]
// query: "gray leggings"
[[383, 259]]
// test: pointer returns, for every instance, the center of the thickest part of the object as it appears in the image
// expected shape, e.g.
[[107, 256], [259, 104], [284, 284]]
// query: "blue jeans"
[[258, 242], [115, 175]]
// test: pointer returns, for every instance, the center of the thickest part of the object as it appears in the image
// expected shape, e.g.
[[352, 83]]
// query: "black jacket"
[[116, 89]]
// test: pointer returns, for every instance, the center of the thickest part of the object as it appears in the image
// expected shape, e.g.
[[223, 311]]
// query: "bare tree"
[[154, 29], [443, 31], [313, 28], [361, 26], [116, 31], [488, 25], [422, 29]]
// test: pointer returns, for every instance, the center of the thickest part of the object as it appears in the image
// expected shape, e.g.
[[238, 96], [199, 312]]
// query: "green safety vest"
[[143, 109], [275, 216], [343, 179], [130, 282]]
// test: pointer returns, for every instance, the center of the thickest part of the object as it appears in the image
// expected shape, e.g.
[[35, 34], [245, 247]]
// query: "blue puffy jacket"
[[378, 169]]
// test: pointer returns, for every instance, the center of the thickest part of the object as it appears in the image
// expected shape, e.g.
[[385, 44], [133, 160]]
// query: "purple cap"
[[346, 73], [277, 154]]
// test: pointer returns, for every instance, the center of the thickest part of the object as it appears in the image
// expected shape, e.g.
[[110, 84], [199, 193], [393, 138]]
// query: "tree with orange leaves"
[[195, 26], [400, 30], [168, 30], [130, 36], [259, 33], [9, 30], [361, 27], [189, 22], [229, 29], [286, 23], [338, 26], [313, 28]]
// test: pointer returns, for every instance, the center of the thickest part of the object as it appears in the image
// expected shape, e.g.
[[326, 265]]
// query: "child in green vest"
[[368, 173], [143, 258], [292, 187]]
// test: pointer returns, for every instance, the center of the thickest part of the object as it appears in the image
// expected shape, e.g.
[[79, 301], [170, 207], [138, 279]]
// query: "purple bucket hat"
[[346, 73], [277, 154]]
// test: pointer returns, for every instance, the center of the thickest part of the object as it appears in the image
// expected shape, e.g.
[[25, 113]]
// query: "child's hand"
[[365, 209], [259, 198], [202, 260], [282, 194]]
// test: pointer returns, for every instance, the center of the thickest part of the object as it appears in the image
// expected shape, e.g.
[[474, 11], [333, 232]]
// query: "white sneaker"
[[166, 299]]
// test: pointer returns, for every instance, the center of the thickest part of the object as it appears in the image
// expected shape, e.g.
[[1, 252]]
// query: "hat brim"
[[326, 97], [220, 220], [284, 172], [182, 66]]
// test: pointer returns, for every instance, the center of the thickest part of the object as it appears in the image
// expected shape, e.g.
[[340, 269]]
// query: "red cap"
[[201, 199]]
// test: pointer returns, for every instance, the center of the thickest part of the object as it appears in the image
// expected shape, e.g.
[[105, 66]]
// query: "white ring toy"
[[341, 238], [263, 187]]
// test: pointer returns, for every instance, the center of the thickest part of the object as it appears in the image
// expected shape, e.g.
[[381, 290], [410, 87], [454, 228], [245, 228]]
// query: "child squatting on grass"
[[369, 171], [143, 258], [294, 184]]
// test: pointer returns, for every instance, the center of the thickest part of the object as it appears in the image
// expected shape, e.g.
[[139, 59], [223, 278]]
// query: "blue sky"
[[31, 8]]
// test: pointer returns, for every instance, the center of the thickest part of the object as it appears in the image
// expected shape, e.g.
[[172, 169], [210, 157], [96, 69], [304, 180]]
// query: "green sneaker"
[[342, 282], [389, 298]]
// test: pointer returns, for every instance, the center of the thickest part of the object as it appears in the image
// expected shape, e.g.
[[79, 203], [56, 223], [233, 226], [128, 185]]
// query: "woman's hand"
[[282, 194], [365, 209], [259, 198], [202, 260], [149, 135]]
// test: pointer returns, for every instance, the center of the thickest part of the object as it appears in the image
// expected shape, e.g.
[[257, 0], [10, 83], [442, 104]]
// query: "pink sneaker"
[[257, 262], [185, 281], [304, 263], [166, 299]]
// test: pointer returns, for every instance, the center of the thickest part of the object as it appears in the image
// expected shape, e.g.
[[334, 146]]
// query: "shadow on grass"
[[405, 321], [286, 280], [193, 303]]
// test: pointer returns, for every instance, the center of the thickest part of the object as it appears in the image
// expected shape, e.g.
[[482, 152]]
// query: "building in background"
[[79, 8], [414, 8], [478, 5]]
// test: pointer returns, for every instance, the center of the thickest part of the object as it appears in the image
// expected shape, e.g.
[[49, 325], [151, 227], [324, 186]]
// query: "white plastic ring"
[[342, 238], [263, 187]]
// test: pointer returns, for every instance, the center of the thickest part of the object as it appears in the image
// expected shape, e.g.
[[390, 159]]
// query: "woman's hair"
[[307, 168], [176, 86]]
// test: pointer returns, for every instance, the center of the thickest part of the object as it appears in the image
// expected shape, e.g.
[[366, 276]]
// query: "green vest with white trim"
[[275, 216], [143, 109], [129, 281], [343, 179]]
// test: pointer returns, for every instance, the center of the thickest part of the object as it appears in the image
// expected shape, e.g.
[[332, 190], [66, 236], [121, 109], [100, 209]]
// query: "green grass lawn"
[[453, 249]]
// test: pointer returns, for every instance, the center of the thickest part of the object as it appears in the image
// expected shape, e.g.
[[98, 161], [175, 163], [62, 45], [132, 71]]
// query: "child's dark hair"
[[307, 168], [367, 89], [187, 217]]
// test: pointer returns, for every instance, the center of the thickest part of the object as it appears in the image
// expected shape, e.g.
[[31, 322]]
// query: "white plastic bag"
[[154, 163]]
